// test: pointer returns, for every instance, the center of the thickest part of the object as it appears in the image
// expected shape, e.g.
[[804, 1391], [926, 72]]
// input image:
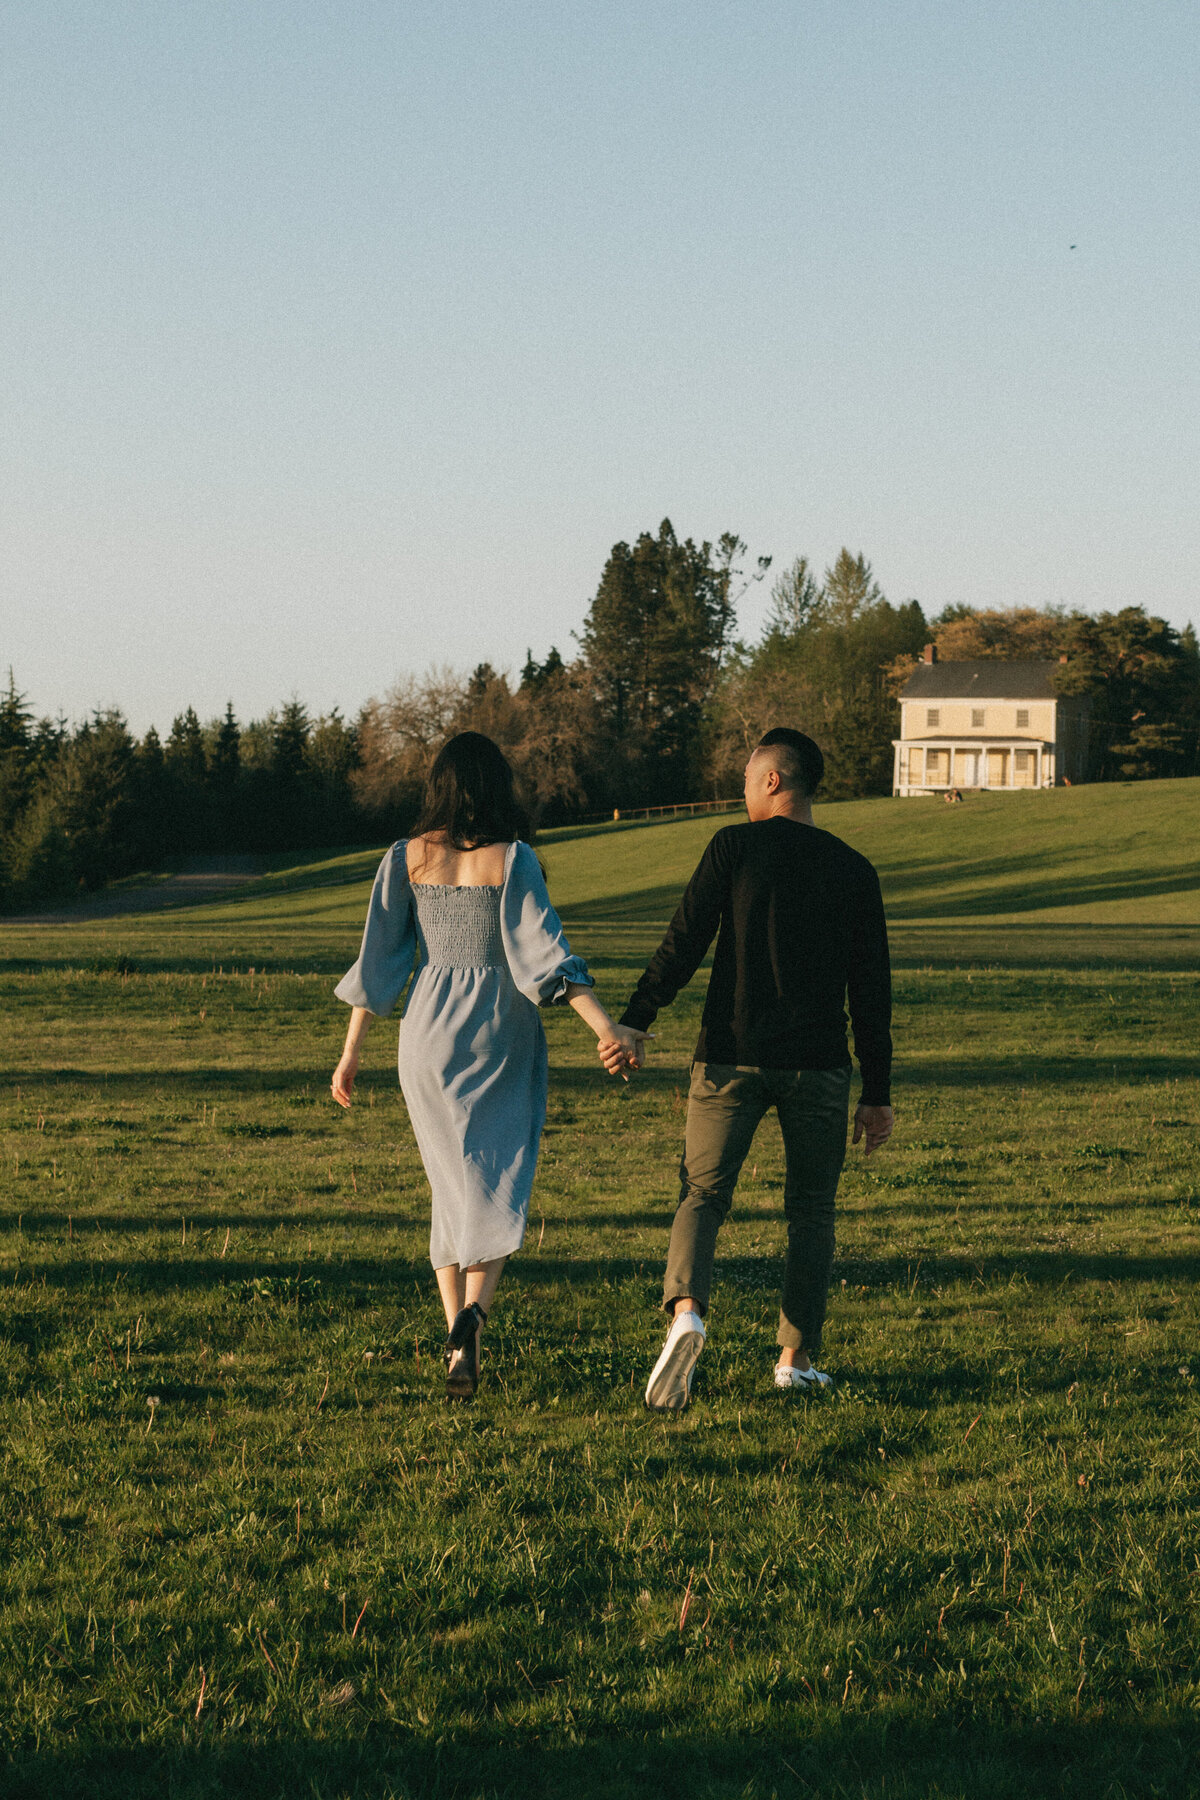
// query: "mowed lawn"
[[249, 1550]]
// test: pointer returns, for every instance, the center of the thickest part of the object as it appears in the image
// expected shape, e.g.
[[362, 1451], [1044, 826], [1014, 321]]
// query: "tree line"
[[660, 702]]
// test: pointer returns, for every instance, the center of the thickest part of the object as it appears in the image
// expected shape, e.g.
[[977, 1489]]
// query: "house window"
[[1022, 718], [976, 717], [933, 718]]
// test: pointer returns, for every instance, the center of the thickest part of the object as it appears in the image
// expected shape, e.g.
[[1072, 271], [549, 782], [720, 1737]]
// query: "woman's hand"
[[622, 1048], [342, 1085]]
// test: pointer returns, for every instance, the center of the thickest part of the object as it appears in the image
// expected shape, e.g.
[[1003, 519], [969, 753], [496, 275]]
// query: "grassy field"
[[248, 1550]]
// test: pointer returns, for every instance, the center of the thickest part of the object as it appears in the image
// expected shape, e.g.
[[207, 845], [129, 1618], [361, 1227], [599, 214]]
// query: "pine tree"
[[654, 641], [184, 752], [822, 667], [188, 823], [16, 756], [224, 758], [289, 786], [223, 771], [96, 786]]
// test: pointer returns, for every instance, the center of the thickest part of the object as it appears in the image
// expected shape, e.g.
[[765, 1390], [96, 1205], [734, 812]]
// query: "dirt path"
[[201, 878]]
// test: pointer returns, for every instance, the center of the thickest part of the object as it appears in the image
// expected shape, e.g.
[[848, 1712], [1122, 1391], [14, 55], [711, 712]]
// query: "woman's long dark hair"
[[469, 795]]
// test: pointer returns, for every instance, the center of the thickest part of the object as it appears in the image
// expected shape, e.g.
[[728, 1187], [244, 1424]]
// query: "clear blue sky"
[[341, 339]]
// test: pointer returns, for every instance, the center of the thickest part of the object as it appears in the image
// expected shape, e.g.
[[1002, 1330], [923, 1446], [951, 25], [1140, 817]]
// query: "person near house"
[[466, 895], [800, 928]]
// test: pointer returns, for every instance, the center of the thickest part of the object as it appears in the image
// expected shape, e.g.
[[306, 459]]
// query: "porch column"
[[896, 770]]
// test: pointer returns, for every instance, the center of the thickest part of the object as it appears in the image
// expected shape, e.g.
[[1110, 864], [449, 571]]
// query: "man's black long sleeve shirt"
[[799, 923]]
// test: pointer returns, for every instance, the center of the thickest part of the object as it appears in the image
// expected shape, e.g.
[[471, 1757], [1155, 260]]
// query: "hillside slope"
[[1109, 873], [1094, 855]]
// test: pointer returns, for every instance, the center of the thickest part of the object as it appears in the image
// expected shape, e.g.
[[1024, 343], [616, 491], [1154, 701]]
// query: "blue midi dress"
[[473, 1065]]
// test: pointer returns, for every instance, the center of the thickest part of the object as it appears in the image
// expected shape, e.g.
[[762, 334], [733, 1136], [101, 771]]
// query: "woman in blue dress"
[[464, 897]]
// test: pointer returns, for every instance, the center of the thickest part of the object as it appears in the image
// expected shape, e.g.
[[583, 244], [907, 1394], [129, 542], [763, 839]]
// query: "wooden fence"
[[686, 809]]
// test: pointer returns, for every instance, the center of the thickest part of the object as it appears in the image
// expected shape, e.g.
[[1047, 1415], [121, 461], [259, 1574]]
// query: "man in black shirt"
[[800, 928]]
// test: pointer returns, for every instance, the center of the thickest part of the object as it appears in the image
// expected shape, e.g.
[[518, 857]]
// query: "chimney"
[[929, 654]]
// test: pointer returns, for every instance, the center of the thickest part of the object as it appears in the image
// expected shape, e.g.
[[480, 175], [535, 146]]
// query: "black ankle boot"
[[463, 1379]]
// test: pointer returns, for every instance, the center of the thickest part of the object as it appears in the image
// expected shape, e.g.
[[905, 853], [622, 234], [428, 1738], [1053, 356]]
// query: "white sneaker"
[[787, 1375], [670, 1385]]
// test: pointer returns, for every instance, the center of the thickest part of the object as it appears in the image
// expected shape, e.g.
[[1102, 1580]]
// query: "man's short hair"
[[797, 758]]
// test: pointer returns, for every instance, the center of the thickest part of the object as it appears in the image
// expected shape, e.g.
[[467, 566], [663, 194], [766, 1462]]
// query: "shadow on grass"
[[1093, 1069], [884, 1756], [269, 1217], [944, 948], [309, 1082], [1025, 884], [987, 1069], [178, 1274], [1048, 886]]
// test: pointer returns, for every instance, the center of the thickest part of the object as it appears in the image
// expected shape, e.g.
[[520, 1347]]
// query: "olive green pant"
[[725, 1106]]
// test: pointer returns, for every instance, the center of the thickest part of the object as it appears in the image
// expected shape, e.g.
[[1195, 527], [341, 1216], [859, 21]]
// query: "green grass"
[[971, 1570]]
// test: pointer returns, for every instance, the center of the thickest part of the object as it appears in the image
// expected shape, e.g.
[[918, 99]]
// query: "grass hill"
[[1105, 873], [1095, 855], [249, 1551]]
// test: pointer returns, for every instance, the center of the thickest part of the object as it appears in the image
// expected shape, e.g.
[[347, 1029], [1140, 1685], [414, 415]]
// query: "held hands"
[[623, 1049], [342, 1085], [875, 1124]]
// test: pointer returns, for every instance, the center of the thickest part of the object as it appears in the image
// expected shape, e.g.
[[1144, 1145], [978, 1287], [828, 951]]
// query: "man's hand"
[[875, 1123], [623, 1049]]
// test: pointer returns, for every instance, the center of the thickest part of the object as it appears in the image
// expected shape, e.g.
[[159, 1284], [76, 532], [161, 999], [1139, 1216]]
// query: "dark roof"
[[986, 678]]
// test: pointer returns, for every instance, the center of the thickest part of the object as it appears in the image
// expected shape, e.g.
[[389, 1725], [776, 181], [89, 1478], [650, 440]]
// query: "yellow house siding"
[[999, 719], [951, 733]]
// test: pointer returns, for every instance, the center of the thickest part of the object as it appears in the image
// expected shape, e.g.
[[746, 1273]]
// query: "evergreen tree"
[[224, 757], [535, 675], [224, 767], [1144, 681], [37, 862], [184, 752], [150, 754], [794, 600], [152, 790], [50, 738], [186, 766], [1142, 677], [654, 640], [332, 758], [289, 786], [16, 755], [94, 785], [822, 667]]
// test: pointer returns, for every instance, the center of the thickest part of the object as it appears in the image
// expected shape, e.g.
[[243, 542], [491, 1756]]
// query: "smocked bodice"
[[459, 927]]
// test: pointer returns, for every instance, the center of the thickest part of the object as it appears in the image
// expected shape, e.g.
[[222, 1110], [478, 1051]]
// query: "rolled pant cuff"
[[790, 1337], [687, 1293]]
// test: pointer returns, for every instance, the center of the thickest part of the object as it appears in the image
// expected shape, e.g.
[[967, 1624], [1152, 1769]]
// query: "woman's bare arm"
[[626, 1047], [342, 1085]]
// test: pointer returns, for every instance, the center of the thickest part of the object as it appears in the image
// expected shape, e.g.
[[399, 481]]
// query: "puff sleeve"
[[539, 957], [389, 943]]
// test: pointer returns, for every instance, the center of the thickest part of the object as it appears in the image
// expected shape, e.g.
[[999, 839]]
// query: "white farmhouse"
[[987, 724]]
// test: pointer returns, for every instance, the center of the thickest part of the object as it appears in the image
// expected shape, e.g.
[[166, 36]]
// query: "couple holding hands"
[[800, 930]]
